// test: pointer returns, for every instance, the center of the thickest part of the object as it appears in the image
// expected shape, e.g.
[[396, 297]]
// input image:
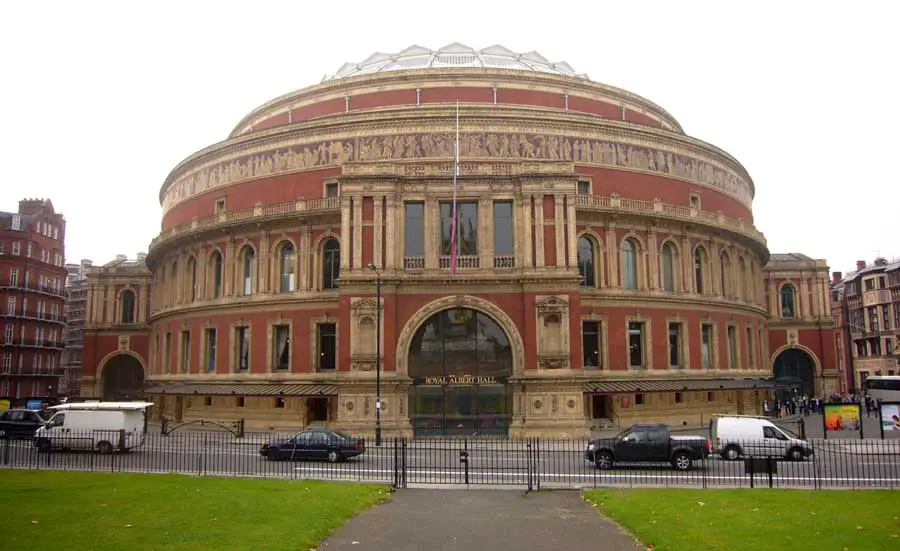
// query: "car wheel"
[[334, 456], [603, 460], [795, 454], [43, 445], [105, 448], [731, 453], [682, 461]]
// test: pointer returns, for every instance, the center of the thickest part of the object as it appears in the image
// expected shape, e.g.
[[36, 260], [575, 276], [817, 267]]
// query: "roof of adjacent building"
[[454, 55], [789, 257]]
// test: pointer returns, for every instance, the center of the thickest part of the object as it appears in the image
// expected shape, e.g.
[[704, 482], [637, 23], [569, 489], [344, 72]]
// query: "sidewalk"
[[450, 520]]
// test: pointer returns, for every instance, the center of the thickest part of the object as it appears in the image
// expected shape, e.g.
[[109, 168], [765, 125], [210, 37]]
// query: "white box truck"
[[102, 426]]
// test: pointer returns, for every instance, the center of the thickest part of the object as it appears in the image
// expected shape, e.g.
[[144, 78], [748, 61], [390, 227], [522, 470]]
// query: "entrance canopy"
[[677, 385], [218, 389]]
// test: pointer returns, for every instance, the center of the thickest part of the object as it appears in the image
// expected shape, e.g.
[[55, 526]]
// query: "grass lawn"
[[96, 511], [756, 520]]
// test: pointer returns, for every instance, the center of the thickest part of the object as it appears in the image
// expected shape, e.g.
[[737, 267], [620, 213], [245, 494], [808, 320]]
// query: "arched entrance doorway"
[[795, 368], [123, 378], [459, 361]]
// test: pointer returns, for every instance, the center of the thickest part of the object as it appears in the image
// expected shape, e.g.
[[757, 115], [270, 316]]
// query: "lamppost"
[[377, 356]]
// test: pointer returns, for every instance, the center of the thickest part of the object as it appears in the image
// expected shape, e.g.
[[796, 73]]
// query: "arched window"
[[787, 301], [331, 264], [629, 265], [587, 266], [725, 274], [216, 268], [287, 266], [248, 267], [127, 315], [192, 274], [668, 267], [699, 270]]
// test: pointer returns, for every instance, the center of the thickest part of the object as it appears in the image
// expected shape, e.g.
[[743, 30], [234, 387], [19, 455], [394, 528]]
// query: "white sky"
[[100, 100]]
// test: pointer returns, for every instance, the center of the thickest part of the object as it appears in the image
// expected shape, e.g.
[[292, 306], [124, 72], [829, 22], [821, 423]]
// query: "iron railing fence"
[[531, 463]]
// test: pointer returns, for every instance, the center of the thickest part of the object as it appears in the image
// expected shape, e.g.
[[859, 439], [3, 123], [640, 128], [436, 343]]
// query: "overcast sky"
[[100, 100]]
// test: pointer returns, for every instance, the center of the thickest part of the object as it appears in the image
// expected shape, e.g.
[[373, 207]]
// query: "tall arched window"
[[248, 267], [787, 301], [587, 266], [127, 315], [192, 274], [668, 267], [287, 266], [699, 269], [216, 268], [331, 264], [629, 265], [725, 274]]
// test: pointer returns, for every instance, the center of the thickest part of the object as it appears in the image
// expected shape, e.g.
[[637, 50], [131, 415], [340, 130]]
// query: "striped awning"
[[677, 385], [242, 389]]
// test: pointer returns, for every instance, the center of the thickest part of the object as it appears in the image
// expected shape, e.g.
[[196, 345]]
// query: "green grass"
[[95, 511], [760, 520]]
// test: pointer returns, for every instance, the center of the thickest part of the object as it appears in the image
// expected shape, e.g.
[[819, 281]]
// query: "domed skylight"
[[453, 55]]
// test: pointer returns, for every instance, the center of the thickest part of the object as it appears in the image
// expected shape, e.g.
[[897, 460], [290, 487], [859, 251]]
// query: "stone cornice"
[[440, 118], [620, 298], [432, 78], [261, 302]]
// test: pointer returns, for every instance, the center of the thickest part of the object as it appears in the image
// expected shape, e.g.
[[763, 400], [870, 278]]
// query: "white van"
[[735, 436], [101, 426]]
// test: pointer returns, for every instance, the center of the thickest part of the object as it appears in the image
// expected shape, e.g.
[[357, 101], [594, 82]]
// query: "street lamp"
[[377, 356]]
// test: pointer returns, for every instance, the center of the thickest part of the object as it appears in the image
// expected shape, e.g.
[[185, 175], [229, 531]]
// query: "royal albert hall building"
[[608, 266]]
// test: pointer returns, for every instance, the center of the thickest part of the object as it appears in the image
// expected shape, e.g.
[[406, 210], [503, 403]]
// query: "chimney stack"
[[836, 277], [860, 265], [141, 256], [121, 258], [881, 261]]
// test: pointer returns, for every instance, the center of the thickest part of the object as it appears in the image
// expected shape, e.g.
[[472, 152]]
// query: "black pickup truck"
[[647, 444]]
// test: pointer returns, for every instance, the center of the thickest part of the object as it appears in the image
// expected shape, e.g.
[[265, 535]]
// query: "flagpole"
[[454, 245]]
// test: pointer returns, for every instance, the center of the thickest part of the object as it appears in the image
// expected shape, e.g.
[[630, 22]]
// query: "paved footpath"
[[449, 520]]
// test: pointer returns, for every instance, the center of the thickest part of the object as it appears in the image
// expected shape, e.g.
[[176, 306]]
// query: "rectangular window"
[[888, 347], [28, 249], [185, 362], [675, 345], [415, 230], [886, 317], [2, 246], [638, 399], [281, 353], [242, 348], [14, 277], [751, 357], [207, 401], [327, 338], [167, 359], [210, 349], [8, 335], [706, 343], [873, 319], [679, 398], [503, 230], [220, 205], [7, 367], [590, 343], [16, 222], [11, 306], [584, 187], [466, 228], [732, 347], [636, 344], [16, 248], [870, 284], [331, 189]]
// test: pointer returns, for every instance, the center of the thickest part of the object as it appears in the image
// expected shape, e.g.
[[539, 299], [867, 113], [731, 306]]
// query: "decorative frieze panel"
[[522, 146], [552, 314]]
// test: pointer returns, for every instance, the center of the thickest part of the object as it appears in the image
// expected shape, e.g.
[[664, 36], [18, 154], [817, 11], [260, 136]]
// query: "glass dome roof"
[[453, 55]]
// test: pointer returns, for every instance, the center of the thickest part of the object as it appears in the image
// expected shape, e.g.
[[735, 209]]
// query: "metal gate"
[[467, 461]]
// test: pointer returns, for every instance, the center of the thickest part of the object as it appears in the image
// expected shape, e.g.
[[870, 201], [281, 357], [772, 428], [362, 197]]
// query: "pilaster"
[[539, 230], [612, 245], [356, 262], [345, 233], [378, 231], [524, 238], [687, 265], [485, 232], [653, 259], [572, 233], [559, 223], [432, 233], [306, 257]]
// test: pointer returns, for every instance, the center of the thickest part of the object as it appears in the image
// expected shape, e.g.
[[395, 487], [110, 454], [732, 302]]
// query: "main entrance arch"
[[123, 378], [459, 360], [796, 368]]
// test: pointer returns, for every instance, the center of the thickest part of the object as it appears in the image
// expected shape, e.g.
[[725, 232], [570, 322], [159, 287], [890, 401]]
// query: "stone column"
[[486, 235], [263, 263], [524, 237], [653, 260], [229, 262], [612, 255], [687, 264], [378, 257], [539, 230], [390, 232], [572, 234], [345, 233], [109, 312], [803, 304], [356, 262], [306, 258], [432, 233], [773, 300], [559, 224]]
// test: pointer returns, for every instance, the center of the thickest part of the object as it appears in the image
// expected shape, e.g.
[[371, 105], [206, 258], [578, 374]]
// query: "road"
[[844, 463]]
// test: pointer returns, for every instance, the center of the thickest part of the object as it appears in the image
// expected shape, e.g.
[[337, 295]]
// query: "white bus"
[[885, 388]]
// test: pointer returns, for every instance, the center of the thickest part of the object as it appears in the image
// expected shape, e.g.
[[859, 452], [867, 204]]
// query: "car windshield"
[[45, 414], [343, 435], [789, 433]]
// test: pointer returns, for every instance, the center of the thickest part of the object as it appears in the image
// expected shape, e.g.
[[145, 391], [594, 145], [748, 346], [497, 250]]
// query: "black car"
[[314, 444], [21, 423]]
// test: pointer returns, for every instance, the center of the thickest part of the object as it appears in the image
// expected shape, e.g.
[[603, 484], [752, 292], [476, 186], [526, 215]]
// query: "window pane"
[[415, 229], [466, 231], [668, 268], [503, 228], [636, 344], [586, 262], [590, 342], [674, 344]]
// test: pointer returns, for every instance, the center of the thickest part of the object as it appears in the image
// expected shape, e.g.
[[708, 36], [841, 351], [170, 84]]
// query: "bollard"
[[464, 459]]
